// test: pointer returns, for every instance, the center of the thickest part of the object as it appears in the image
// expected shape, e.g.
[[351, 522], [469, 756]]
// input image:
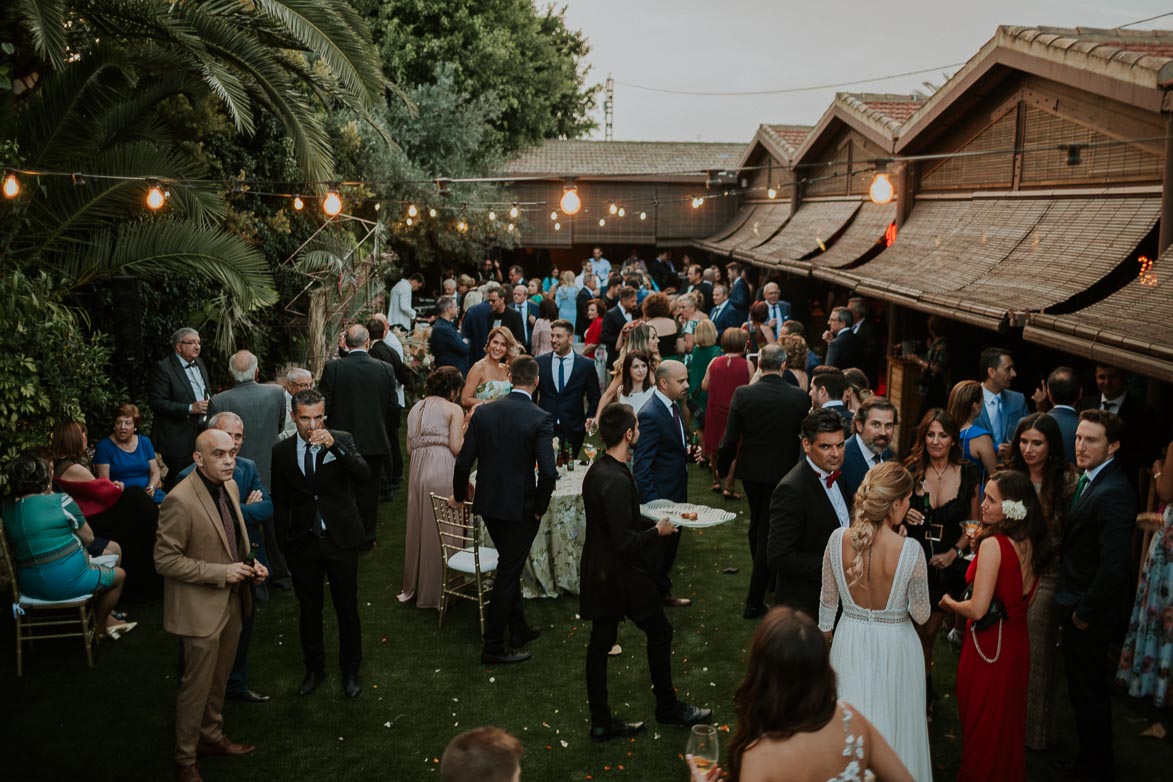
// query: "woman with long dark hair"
[[790, 723], [1036, 450], [994, 670], [945, 496]]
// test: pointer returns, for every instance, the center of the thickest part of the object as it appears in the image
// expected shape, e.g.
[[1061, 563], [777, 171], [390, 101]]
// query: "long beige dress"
[[430, 471]]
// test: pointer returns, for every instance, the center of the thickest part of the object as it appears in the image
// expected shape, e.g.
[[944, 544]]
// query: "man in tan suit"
[[199, 551]]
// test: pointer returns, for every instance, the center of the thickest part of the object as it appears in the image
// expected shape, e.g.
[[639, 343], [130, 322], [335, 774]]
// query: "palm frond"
[[45, 19]]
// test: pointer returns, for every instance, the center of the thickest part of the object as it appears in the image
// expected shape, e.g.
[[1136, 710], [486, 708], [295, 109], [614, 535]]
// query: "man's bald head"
[[243, 366], [357, 337], [215, 455]]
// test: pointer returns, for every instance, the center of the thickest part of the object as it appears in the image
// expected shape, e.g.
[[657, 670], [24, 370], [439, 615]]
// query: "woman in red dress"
[[725, 374], [994, 670]]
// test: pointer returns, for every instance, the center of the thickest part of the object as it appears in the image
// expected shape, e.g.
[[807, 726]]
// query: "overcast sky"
[[754, 45]]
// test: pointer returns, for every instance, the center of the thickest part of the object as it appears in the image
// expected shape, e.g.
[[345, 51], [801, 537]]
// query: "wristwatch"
[[959, 552]]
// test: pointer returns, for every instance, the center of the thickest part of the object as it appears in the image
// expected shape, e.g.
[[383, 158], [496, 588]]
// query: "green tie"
[[1079, 487]]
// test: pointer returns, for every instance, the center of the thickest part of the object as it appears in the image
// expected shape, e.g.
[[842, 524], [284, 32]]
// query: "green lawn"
[[424, 685]]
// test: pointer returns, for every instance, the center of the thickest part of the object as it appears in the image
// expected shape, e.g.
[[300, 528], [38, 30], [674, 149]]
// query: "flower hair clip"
[[1014, 509]]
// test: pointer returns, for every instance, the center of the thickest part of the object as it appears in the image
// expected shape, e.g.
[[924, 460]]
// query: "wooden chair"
[[466, 562], [45, 619]]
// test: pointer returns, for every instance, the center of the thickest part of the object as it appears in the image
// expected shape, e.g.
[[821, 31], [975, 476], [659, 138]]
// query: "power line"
[[791, 90], [1142, 21]]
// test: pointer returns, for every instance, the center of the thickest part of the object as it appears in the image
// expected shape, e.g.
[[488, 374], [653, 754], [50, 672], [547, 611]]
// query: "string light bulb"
[[881, 190], [410, 222], [772, 193], [432, 212], [412, 211], [298, 204], [11, 185], [602, 222], [697, 202], [514, 212], [461, 226], [509, 228], [155, 198], [492, 215], [557, 226], [570, 202], [613, 208], [643, 215], [332, 203], [554, 215], [622, 212]]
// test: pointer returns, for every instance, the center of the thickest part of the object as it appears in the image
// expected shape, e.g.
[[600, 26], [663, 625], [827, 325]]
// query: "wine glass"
[[702, 745], [590, 450], [971, 529]]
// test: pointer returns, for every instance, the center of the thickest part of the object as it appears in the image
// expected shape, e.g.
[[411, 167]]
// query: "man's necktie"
[[676, 420], [308, 464], [876, 459], [830, 479], [996, 418], [1108, 405], [524, 320], [1079, 487], [561, 374], [228, 522]]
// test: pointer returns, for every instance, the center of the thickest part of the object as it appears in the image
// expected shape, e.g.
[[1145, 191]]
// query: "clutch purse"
[[995, 613]]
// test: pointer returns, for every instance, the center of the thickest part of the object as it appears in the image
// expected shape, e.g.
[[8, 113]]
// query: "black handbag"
[[995, 613]]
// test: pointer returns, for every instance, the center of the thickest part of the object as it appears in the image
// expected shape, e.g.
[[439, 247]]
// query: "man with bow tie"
[[178, 394], [807, 506]]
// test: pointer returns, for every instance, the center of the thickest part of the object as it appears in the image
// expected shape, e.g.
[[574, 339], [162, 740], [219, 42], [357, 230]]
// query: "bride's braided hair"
[[884, 485]]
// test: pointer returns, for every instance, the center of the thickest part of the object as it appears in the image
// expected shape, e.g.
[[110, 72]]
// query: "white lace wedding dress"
[[877, 654]]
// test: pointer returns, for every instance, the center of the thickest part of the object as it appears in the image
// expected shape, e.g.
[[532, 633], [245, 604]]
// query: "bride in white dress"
[[881, 580]]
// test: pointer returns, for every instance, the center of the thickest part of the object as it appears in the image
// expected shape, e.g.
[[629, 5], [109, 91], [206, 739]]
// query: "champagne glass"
[[702, 745], [591, 451], [971, 529]]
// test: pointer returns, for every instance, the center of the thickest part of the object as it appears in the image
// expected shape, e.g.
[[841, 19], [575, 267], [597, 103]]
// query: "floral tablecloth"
[[554, 557]]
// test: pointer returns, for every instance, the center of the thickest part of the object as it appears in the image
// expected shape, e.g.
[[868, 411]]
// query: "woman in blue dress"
[[43, 530], [128, 457], [977, 444], [566, 297]]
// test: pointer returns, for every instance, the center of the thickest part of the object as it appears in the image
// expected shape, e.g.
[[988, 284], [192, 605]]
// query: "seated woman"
[[488, 379], [790, 724], [128, 517], [127, 456], [45, 533]]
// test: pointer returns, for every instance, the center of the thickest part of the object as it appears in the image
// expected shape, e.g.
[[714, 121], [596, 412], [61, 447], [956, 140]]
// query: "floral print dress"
[[1148, 648]]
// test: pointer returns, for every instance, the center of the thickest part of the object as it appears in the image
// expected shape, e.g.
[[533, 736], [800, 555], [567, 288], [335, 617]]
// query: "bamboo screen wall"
[[1110, 164], [985, 171], [845, 168]]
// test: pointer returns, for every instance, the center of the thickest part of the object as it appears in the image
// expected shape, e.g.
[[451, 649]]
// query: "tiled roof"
[[617, 158], [788, 137], [889, 110]]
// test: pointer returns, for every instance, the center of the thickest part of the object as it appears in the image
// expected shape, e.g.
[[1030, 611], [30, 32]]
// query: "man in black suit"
[[828, 385], [867, 334], [1094, 596], [660, 462], [615, 582], [475, 327], [501, 315], [527, 312], [316, 476], [392, 475], [1141, 439], [565, 380], [360, 398], [844, 350], [1063, 393], [807, 506], [663, 271], [616, 318], [505, 439], [179, 394], [762, 433], [449, 349], [873, 425]]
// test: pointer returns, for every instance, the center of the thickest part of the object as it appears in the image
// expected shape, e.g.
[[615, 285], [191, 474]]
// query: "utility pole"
[[609, 109]]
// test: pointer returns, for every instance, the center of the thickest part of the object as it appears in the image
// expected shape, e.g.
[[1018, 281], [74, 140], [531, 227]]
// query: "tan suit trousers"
[[207, 664]]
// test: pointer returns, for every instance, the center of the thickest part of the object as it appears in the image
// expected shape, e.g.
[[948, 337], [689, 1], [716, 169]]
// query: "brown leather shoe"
[[225, 746], [676, 602], [188, 773]]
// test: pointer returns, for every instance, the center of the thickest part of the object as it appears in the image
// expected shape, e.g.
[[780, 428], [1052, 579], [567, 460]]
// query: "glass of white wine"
[[590, 450], [702, 745]]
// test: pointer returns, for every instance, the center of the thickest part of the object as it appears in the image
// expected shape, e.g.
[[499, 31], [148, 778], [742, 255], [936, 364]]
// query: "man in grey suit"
[[1063, 391], [261, 407]]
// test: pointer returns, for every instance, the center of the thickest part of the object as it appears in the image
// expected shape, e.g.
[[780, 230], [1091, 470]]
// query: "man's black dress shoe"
[[350, 685], [530, 634], [248, 696], [754, 612], [684, 714], [616, 730], [310, 682], [504, 658]]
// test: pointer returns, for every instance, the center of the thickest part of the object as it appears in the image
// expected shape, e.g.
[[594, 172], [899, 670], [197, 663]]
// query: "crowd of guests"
[[1004, 528]]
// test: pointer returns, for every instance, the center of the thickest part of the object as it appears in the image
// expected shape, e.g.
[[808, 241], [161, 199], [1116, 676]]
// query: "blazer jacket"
[[528, 308], [510, 319], [247, 481], [739, 299], [1013, 410], [192, 556], [475, 328], [846, 351], [448, 348], [298, 501], [763, 430], [1068, 421], [660, 462], [170, 396], [360, 398], [802, 519], [505, 438], [706, 291], [1144, 434], [566, 407], [389, 355], [261, 406], [856, 464], [1096, 551], [725, 316], [613, 323], [615, 578]]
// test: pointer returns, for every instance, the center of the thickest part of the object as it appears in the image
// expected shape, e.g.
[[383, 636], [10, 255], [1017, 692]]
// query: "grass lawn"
[[424, 685]]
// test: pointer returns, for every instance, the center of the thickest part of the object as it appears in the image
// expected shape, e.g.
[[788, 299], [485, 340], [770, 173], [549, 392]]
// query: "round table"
[[554, 557]]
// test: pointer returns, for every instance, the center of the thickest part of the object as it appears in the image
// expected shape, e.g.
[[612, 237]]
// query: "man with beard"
[[874, 424]]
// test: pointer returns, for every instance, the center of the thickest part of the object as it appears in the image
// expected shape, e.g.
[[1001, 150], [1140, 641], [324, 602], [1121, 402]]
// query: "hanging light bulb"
[[643, 215], [412, 211], [613, 208], [432, 212], [697, 202], [881, 190], [332, 203], [622, 212], [772, 192], [410, 222], [554, 215], [77, 179], [602, 222], [461, 226], [570, 202], [11, 185], [557, 226], [378, 205], [509, 228], [155, 199], [514, 212], [298, 204], [492, 215]]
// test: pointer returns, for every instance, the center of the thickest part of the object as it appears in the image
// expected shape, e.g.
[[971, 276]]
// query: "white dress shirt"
[[834, 494], [993, 404], [668, 403], [193, 377], [1115, 403], [567, 363], [870, 456]]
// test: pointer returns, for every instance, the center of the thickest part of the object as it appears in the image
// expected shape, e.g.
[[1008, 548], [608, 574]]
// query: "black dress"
[[950, 580]]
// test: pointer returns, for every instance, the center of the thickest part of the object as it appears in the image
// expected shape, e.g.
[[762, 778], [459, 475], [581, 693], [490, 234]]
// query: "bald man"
[[200, 552]]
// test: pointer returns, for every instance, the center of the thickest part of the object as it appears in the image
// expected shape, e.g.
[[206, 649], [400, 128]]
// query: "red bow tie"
[[830, 479]]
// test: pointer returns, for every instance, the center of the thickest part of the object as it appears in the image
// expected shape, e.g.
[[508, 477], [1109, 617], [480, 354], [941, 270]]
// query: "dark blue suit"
[[448, 348], [739, 299], [525, 310], [1068, 420], [856, 464], [476, 328], [726, 318], [1013, 410], [660, 466], [566, 407]]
